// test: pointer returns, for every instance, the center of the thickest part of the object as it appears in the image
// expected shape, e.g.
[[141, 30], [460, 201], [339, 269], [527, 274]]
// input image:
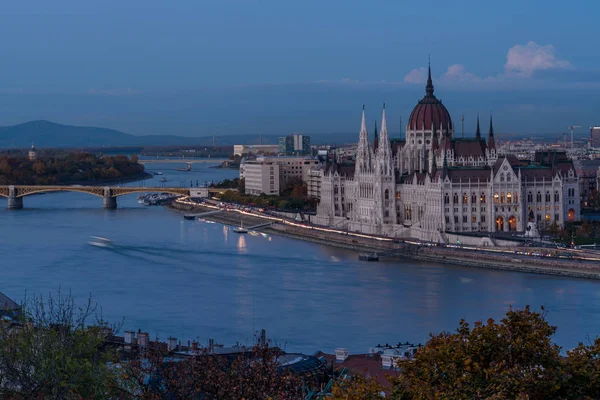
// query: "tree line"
[[67, 169], [57, 349]]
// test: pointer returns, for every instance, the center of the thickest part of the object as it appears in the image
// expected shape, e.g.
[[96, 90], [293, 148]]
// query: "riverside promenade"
[[522, 259]]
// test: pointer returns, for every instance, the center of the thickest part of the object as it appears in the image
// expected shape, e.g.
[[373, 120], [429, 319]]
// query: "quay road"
[[182, 161], [581, 263], [15, 193]]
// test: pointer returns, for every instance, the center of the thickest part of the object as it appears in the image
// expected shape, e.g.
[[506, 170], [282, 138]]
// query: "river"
[[194, 280]]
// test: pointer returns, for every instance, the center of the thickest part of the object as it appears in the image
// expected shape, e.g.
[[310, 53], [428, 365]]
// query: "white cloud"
[[457, 73], [524, 60], [417, 75]]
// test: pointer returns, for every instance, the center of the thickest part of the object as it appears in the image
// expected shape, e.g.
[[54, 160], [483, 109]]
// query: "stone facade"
[[431, 183]]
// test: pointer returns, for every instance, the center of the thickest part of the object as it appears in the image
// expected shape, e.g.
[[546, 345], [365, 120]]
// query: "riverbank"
[[504, 259]]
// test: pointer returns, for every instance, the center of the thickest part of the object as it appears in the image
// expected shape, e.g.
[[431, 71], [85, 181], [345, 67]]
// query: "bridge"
[[182, 161], [15, 193]]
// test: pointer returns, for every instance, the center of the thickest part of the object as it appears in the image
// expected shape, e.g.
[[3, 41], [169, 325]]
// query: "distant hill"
[[50, 135]]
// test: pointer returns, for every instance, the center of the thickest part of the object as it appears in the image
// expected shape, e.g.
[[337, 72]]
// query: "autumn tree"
[[515, 358], [357, 387], [152, 373]]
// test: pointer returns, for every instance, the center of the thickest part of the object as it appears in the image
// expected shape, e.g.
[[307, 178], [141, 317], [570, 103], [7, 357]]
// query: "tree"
[[51, 353], [357, 387], [508, 360], [252, 374], [134, 158]]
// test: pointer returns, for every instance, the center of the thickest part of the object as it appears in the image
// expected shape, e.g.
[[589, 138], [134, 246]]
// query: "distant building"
[[269, 175], [32, 153], [595, 136], [245, 149], [295, 144]]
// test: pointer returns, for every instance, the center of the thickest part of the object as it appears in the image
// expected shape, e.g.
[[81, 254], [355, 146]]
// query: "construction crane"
[[572, 129]]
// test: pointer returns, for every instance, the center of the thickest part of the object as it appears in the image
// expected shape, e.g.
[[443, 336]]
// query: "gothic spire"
[[429, 87], [491, 140], [363, 125], [383, 133], [478, 131]]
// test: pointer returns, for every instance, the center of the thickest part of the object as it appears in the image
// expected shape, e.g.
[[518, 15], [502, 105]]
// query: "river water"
[[188, 279]]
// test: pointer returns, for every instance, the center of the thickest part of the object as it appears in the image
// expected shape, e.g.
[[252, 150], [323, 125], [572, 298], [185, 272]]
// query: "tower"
[[32, 153]]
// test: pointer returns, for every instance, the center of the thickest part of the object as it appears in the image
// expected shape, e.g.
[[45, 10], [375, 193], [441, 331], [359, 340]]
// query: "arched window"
[[516, 197], [502, 198], [508, 177], [556, 197], [539, 197], [529, 197], [496, 198], [502, 177], [455, 199], [446, 199], [474, 198], [508, 197], [482, 197], [387, 194], [465, 198], [547, 197]]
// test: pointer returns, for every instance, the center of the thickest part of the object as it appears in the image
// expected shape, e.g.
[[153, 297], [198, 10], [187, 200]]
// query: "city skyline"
[[196, 68]]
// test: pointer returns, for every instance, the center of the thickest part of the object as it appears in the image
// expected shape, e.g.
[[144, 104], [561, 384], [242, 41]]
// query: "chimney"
[[172, 343], [143, 339], [129, 337], [341, 355]]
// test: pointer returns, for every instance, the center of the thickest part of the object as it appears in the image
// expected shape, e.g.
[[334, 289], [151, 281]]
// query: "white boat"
[[100, 241], [241, 228]]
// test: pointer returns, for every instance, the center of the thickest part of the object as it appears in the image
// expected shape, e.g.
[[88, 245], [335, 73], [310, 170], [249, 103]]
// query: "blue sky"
[[151, 53]]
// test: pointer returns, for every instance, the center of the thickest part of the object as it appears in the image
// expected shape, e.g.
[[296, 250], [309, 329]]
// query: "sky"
[[193, 67]]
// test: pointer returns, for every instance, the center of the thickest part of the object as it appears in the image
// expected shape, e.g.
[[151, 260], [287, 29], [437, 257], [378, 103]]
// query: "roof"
[[469, 147], [7, 304], [344, 169], [429, 110], [364, 364], [469, 173]]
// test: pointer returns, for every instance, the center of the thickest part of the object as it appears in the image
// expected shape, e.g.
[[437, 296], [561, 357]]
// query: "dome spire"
[[491, 140], [429, 87], [478, 131]]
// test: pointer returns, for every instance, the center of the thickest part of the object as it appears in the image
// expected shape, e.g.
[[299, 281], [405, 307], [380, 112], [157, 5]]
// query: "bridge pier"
[[15, 203], [109, 202]]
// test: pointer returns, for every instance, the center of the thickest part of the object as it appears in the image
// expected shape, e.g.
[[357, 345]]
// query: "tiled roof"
[[469, 147], [464, 174]]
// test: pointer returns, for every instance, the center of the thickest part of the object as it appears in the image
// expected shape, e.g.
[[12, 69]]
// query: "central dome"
[[429, 110]]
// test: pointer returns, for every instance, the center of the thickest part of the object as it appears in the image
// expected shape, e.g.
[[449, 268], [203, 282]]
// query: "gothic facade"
[[431, 183]]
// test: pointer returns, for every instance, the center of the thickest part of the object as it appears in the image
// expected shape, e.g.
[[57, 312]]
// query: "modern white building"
[[245, 149], [432, 183], [269, 175]]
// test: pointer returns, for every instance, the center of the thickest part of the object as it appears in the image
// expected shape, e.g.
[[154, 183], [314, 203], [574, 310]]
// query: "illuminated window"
[[465, 198], [482, 197], [502, 198], [547, 217], [509, 197], [474, 218], [496, 198]]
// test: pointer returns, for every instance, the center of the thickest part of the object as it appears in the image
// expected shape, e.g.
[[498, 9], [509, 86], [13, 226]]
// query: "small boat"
[[99, 241], [368, 257], [200, 219], [189, 216], [241, 228], [158, 173]]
